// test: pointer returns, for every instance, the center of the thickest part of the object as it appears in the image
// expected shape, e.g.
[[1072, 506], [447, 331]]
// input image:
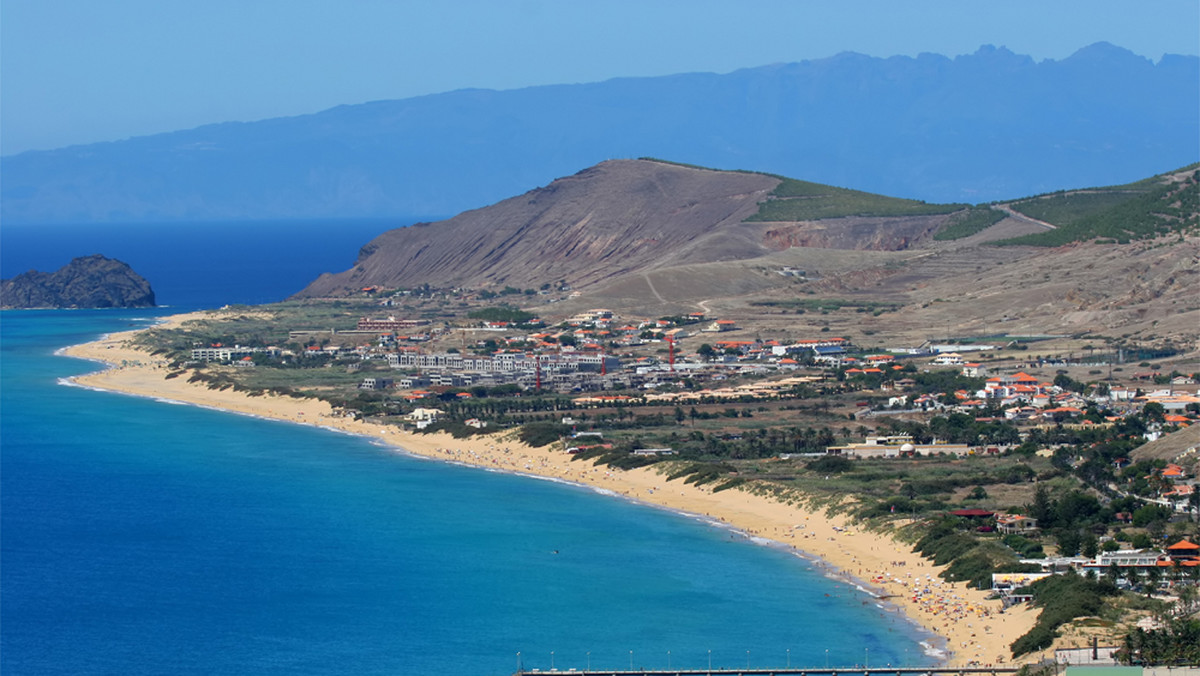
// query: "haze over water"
[[143, 537]]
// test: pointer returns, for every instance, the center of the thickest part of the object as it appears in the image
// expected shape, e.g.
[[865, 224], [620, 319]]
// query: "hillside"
[[1151, 207], [615, 218], [654, 238], [1180, 445], [627, 217], [974, 128]]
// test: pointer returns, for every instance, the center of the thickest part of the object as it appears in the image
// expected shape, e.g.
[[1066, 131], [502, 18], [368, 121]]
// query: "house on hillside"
[[1016, 523], [424, 417], [974, 370], [722, 325], [375, 384]]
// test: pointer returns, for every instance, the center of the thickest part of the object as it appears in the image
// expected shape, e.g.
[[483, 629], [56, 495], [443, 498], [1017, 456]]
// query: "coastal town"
[[601, 339], [597, 359], [1027, 456]]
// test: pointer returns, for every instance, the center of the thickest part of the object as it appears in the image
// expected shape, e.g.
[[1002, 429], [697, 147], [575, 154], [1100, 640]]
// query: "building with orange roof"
[[739, 345], [1184, 550], [1173, 471]]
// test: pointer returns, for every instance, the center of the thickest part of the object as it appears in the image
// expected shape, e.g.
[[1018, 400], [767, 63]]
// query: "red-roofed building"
[[1184, 551], [739, 345], [1173, 471], [1018, 387]]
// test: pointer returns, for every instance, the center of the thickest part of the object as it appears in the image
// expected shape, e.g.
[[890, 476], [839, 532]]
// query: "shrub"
[[1062, 599], [831, 464], [541, 433]]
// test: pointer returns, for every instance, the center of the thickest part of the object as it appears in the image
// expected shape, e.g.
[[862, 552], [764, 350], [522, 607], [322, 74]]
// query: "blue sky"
[[80, 71]]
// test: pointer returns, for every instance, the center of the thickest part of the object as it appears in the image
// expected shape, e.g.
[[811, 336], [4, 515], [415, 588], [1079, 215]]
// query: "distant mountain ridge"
[[973, 128], [86, 282]]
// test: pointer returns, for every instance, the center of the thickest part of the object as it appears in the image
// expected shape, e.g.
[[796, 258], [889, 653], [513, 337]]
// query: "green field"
[[795, 200], [969, 222]]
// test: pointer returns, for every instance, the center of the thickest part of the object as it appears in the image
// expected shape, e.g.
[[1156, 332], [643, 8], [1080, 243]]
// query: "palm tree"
[[1153, 578], [1187, 599], [1113, 573]]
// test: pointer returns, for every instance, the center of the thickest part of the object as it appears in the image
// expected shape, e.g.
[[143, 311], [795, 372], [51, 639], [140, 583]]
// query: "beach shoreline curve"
[[970, 628]]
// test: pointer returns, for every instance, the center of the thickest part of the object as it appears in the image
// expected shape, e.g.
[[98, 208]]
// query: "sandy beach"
[[975, 630]]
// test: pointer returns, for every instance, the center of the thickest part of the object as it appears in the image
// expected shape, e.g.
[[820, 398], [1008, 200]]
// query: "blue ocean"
[[144, 537]]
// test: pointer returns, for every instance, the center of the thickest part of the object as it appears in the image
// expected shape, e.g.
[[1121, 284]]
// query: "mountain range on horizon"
[[975, 128]]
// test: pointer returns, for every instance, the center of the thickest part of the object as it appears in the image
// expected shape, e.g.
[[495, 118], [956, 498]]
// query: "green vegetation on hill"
[[1062, 599], [1070, 207], [969, 222], [1139, 210], [502, 313], [795, 200]]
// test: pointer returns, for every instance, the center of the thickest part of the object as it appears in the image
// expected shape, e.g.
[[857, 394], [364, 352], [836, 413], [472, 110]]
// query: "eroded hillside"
[[657, 238]]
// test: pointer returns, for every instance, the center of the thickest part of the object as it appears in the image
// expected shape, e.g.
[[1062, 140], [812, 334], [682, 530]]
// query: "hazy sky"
[[79, 71]]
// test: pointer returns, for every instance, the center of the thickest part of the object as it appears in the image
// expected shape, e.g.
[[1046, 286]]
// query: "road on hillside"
[[1022, 217]]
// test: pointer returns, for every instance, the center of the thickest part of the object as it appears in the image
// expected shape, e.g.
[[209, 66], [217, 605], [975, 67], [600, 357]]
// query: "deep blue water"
[[193, 265], [141, 537]]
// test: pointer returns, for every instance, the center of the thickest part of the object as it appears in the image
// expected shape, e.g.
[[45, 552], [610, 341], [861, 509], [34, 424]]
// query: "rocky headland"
[[86, 282]]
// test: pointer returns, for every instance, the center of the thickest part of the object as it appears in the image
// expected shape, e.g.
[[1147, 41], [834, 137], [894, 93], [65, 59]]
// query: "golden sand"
[[975, 629]]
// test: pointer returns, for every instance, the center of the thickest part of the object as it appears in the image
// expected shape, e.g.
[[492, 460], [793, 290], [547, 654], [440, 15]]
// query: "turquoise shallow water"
[[138, 536]]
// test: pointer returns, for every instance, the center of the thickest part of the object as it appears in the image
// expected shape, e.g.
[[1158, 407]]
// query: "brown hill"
[[652, 238], [605, 221], [613, 219], [1178, 446]]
